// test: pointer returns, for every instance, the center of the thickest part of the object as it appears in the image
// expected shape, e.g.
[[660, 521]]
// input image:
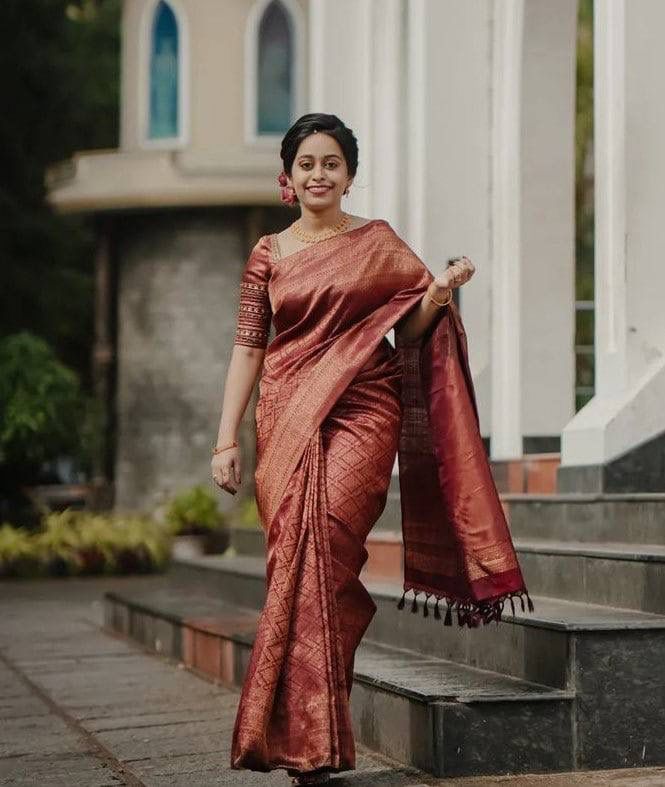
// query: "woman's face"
[[319, 162]]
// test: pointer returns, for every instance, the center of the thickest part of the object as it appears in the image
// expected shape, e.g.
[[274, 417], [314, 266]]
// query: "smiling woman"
[[336, 404]]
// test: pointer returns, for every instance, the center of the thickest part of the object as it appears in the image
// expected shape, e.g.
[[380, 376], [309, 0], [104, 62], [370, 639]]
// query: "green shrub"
[[79, 542], [194, 512], [40, 405], [59, 541], [19, 553]]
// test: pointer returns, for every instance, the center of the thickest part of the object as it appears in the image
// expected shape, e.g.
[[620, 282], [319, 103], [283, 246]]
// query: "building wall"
[[214, 44], [177, 305]]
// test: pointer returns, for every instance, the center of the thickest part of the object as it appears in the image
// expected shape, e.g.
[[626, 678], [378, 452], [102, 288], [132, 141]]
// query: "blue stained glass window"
[[164, 77], [275, 89]]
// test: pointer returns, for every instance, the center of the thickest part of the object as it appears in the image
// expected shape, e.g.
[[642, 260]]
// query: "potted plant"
[[196, 523]]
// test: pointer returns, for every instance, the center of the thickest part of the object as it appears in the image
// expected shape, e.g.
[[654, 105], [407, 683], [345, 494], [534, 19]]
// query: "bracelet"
[[445, 303], [219, 448]]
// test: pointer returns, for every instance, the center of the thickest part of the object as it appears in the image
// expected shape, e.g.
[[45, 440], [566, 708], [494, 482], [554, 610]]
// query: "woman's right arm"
[[249, 348], [244, 368]]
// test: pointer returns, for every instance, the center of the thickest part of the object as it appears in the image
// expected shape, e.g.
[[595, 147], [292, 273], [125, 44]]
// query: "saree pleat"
[[336, 404], [293, 711]]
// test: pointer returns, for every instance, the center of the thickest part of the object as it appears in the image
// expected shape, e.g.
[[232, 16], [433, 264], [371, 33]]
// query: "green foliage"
[[60, 75], [40, 403], [19, 555], [193, 512], [79, 542], [584, 203], [584, 183]]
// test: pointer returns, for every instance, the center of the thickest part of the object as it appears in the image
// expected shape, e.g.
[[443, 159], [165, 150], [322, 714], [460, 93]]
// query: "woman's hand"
[[459, 271], [226, 469]]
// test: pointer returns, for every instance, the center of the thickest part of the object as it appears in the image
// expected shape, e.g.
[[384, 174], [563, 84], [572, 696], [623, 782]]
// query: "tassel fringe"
[[469, 613]]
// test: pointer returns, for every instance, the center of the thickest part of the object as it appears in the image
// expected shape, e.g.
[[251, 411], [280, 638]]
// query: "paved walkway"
[[79, 707]]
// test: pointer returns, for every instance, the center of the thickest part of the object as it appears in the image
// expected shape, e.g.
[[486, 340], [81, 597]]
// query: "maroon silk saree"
[[336, 403]]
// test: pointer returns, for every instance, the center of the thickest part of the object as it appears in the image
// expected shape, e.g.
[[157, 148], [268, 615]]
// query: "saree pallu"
[[336, 404]]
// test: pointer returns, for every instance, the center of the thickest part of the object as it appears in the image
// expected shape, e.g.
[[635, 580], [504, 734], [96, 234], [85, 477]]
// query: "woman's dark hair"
[[319, 121]]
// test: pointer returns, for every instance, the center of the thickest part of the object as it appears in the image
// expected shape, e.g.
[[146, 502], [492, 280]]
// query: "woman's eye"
[[307, 165]]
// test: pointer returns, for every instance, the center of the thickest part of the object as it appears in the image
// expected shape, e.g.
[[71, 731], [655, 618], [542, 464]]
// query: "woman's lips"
[[318, 189]]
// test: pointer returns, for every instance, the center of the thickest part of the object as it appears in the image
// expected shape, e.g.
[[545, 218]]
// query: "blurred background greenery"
[[60, 83], [584, 209]]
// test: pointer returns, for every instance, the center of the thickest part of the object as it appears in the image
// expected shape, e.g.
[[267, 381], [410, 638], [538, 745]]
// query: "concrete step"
[[635, 519], [617, 574], [531, 646], [625, 575], [447, 718], [610, 657]]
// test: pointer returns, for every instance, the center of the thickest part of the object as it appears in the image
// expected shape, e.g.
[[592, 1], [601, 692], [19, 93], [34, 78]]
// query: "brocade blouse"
[[254, 310]]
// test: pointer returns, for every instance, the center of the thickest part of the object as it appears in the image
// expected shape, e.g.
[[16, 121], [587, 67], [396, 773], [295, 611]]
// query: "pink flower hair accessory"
[[287, 194]]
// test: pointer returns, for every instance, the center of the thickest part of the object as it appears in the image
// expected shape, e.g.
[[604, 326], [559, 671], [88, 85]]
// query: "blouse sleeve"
[[254, 311]]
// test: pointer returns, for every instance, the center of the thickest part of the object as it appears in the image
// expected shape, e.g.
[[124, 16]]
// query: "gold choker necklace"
[[308, 237]]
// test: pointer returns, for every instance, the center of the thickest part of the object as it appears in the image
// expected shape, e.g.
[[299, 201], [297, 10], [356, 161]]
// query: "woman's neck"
[[317, 222]]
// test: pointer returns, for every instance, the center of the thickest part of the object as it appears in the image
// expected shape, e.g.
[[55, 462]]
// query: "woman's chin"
[[317, 204]]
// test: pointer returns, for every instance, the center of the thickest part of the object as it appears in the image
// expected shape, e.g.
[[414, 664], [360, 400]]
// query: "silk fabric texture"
[[336, 403]]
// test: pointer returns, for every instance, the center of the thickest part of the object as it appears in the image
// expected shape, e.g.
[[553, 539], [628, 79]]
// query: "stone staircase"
[[578, 684]]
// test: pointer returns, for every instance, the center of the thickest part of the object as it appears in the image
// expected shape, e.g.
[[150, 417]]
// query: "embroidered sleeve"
[[254, 311]]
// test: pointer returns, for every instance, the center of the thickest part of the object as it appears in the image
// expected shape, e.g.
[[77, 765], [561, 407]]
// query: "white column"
[[385, 154], [506, 442], [533, 216], [415, 120], [610, 195], [342, 78], [547, 215], [627, 410], [446, 156]]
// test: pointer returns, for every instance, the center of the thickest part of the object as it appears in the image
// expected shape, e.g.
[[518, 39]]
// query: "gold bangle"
[[445, 303], [219, 448]]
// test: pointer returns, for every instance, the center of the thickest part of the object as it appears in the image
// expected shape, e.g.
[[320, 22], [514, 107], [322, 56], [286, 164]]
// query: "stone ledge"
[[427, 694]]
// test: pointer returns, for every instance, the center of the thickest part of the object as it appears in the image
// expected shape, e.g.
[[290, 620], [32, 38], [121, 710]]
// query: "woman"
[[336, 403]]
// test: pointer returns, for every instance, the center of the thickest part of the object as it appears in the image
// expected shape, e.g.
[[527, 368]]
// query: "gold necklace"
[[308, 237]]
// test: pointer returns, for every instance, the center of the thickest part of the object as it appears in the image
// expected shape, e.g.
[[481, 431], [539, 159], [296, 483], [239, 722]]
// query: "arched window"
[[165, 85], [275, 71]]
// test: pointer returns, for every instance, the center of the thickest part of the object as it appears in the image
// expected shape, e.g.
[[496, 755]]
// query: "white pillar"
[[506, 442], [342, 80], [610, 197], [385, 154], [547, 231], [446, 119], [627, 410], [533, 217]]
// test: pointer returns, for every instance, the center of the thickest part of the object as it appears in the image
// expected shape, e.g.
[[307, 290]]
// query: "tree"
[[59, 67]]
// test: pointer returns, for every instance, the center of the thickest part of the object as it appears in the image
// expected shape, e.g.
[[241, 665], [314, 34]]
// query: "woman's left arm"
[[418, 320]]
